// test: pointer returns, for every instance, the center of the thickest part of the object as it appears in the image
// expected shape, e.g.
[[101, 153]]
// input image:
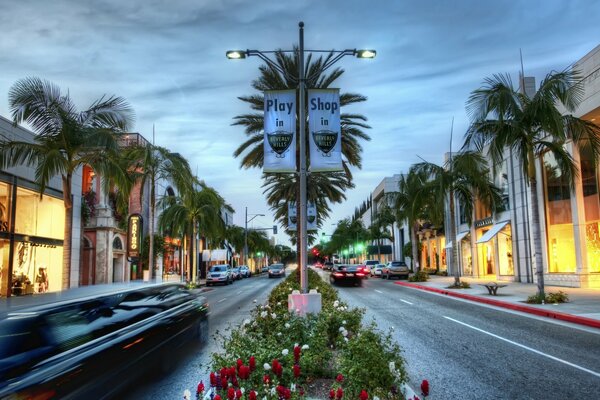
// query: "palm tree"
[[66, 139], [328, 186], [386, 217], [502, 117], [411, 203], [191, 212], [149, 164], [464, 177]]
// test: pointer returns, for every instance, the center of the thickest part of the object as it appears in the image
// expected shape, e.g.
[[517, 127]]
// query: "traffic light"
[[274, 229]]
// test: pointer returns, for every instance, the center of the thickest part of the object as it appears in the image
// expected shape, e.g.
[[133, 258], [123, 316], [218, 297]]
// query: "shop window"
[[117, 243], [37, 267], [44, 217], [559, 220], [467, 259], [589, 182], [505, 258]]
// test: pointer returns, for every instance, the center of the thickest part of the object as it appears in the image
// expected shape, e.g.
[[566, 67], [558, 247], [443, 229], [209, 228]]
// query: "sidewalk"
[[583, 307]]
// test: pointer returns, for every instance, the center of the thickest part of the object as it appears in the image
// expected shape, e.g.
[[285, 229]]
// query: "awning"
[[383, 249], [449, 245], [461, 236], [492, 232], [205, 255], [218, 255]]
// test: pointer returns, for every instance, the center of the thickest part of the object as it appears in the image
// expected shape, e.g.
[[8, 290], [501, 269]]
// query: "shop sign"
[[134, 236], [280, 131], [325, 138]]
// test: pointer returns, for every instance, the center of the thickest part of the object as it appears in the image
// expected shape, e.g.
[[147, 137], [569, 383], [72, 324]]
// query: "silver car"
[[395, 269], [376, 270], [219, 274]]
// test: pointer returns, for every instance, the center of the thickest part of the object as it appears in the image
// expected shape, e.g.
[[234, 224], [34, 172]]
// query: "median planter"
[[276, 354]]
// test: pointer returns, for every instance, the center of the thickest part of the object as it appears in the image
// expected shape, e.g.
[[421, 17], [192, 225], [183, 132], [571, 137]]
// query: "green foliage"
[[419, 276], [560, 297], [461, 285]]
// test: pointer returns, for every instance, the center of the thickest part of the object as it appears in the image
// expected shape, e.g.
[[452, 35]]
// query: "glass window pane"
[[591, 205]]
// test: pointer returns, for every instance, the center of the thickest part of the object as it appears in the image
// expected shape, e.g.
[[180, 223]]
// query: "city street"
[[470, 351], [229, 305]]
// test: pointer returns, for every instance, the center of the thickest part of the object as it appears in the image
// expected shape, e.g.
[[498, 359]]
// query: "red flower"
[[224, 371], [238, 394], [252, 395], [231, 393], [296, 371], [277, 368], [213, 379], [287, 394], [332, 394], [252, 363], [223, 382], [363, 395], [234, 381], [231, 372], [217, 397], [200, 388], [340, 378], [425, 388], [266, 379], [297, 352], [339, 394], [239, 363], [300, 390], [244, 372]]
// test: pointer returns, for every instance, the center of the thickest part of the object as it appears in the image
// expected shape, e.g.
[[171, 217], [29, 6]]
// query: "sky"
[[167, 59]]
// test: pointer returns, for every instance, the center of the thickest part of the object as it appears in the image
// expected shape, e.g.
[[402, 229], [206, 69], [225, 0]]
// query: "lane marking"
[[378, 291], [596, 374], [222, 300], [407, 302]]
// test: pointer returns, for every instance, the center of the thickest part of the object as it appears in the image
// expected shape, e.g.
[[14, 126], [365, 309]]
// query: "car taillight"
[[360, 274], [337, 274]]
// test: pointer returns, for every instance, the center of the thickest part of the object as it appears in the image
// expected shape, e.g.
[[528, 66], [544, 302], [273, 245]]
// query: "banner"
[[325, 137], [280, 131], [134, 236], [311, 217]]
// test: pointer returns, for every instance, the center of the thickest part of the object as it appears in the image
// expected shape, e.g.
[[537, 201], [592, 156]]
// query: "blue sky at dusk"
[[168, 60]]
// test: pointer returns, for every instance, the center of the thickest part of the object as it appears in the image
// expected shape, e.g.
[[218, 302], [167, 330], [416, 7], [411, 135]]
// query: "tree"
[[192, 211], [66, 140], [323, 187], [386, 217], [149, 164], [464, 177], [504, 118]]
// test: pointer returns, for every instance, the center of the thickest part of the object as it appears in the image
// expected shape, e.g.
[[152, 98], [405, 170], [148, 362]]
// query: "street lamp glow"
[[366, 53], [235, 54]]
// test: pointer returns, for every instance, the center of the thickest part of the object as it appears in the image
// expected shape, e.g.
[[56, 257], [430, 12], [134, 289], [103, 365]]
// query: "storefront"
[[31, 238], [494, 251]]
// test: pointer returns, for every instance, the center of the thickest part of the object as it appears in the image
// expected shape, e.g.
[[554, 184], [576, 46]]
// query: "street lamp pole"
[[246, 234]]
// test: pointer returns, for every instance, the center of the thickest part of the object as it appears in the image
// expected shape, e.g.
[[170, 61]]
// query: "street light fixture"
[[240, 54], [246, 220]]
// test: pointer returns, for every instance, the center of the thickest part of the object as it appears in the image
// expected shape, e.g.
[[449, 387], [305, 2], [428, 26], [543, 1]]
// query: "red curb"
[[594, 323]]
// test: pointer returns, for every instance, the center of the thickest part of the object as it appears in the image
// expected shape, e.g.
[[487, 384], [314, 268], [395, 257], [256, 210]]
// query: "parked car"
[[236, 274], [219, 274], [83, 342], [377, 270], [346, 273], [276, 271], [328, 266], [395, 269], [264, 269], [245, 271]]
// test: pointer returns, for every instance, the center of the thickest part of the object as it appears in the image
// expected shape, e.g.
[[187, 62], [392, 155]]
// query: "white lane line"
[[378, 291], [407, 302], [222, 300], [528, 348]]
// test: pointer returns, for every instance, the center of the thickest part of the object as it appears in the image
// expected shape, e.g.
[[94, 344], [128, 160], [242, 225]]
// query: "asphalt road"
[[229, 306], [469, 351]]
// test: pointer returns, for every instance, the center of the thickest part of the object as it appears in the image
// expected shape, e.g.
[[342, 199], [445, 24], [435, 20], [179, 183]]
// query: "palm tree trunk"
[[151, 229], [415, 248], [537, 239], [67, 242], [194, 250], [452, 238]]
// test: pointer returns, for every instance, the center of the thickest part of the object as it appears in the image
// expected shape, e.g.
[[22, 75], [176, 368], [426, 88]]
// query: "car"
[[219, 274], [365, 269], [264, 269], [346, 273], [328, 266], [318, 265], [377, 270], [245, 271], [82, 342], [236, 274], [395, 269], [276, 271]]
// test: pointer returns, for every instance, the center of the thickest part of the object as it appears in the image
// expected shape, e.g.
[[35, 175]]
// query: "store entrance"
[[485, 256]]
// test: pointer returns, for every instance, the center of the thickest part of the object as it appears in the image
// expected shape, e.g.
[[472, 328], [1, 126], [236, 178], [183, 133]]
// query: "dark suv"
[[395, 269]]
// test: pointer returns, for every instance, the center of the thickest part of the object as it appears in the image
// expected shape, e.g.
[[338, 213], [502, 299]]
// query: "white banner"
[[311, 216], [324, 129], [280, 131]]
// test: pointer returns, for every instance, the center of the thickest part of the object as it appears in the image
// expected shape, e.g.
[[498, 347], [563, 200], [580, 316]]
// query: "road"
[[229, 306], [469, 351]]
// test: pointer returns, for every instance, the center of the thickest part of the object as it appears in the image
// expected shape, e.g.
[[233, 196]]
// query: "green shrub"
[[461, 285], [419, 276], [560, 297]]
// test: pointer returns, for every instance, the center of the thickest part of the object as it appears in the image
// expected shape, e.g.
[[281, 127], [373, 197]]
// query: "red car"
[[346, 274]]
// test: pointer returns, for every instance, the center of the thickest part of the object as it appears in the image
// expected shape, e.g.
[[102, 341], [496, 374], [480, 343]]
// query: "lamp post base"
[[304, 303]]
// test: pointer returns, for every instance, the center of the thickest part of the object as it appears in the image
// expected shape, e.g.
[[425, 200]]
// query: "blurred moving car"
[[219, 274], [395, 269], [318, 265], [276, 270], [236, 274], [328, 266], [377, 270], [83, 342], [346, 273], [245, 271]]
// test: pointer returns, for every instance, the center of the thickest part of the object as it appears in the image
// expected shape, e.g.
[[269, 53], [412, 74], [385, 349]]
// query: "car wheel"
[[388, 277]]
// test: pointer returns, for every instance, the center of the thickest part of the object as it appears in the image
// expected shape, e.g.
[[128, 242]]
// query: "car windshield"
[[276, 266], [398, 264], [218, 268]]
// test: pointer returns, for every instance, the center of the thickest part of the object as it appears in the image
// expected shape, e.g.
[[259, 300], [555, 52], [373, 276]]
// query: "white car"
[[219, 274], [376, 270]]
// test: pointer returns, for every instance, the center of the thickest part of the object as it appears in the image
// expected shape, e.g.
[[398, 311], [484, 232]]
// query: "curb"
[[594, 323]]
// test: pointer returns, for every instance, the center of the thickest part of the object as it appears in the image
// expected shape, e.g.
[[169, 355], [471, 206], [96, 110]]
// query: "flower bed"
[[278, 355]]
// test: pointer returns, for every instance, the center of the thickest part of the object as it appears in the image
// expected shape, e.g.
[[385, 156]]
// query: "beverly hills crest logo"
[[280, 142], [325, 141]]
